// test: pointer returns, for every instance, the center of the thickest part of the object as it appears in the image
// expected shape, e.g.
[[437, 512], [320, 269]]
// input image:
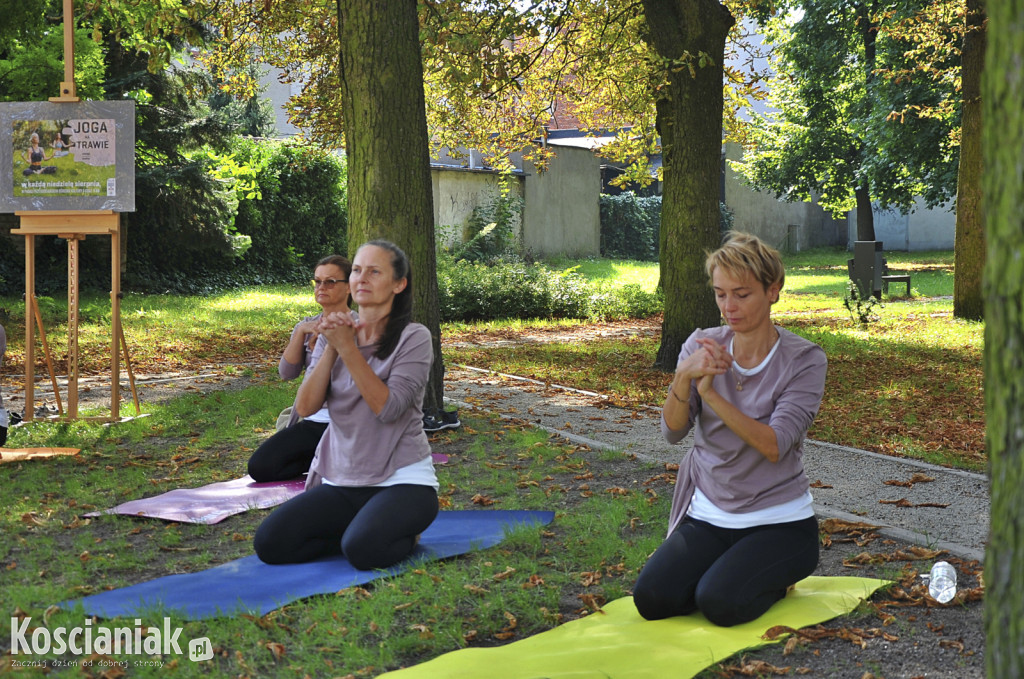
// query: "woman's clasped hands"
[[338, 328], [702, 365]]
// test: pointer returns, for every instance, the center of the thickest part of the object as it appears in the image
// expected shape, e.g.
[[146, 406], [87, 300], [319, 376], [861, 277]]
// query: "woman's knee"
[[649, 604], [367, 552], [726, 609], [257, 470], [267, 545]]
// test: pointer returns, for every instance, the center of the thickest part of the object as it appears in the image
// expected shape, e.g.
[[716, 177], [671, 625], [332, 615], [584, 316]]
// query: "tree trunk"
[[865, 216], [389, 185], [968, 297], [690, 125], [862, 193], [1003, 183]]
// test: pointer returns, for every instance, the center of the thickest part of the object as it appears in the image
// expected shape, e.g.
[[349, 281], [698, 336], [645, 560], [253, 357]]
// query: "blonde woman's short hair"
[[742, 254]]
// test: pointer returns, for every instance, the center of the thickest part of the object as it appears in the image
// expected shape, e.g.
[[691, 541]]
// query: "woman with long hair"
[[371, 489]]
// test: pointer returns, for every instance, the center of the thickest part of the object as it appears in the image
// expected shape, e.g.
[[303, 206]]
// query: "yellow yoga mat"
[[18, 454], [619, 644]]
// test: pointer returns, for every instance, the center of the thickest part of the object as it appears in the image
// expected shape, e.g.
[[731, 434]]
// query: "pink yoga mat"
[[212, 503], [217, 501]]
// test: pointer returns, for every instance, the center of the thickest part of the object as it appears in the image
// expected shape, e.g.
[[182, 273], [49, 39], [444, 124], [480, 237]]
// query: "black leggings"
[[288, 453], [731, 575], [374, 527]]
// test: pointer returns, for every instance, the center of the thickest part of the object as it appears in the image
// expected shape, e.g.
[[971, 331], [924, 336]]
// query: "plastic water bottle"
[[942, 582]]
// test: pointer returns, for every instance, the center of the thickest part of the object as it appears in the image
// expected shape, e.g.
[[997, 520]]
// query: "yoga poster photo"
[[67, 156]]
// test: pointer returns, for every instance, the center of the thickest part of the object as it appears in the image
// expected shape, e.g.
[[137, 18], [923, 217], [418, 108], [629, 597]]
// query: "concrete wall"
[[457, 191], [921, 229], [279, 94], [788, 226], [562, 211]]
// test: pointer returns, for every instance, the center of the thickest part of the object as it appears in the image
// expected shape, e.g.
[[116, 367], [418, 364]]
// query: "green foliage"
[[862, 310], [248, 113], [831, 130], [32, 66], [300, 213], [630, 225], [470, 291], [492, 231]]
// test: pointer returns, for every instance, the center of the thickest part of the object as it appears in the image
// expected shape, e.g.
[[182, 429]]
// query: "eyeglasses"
[[327, 282]]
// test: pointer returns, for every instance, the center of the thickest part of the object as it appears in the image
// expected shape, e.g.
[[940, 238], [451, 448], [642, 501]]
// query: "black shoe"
[[447, 420]]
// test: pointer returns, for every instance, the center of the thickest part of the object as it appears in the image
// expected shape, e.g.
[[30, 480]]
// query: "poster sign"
[[67, 156]]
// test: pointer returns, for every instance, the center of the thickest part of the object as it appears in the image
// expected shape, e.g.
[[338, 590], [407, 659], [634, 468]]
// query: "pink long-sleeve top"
[[361, 448], [785, 395]]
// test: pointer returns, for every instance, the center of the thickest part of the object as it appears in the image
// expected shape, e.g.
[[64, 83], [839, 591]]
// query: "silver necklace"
[[736, 373]]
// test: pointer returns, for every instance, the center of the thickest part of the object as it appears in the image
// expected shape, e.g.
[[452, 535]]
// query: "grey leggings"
[[731, 575], [374, 527]]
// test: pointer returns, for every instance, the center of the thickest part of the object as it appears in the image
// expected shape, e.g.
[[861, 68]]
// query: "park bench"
[[869, 269]]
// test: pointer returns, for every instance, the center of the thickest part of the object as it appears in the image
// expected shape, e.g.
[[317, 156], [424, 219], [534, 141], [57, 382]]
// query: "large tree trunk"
[[862, 192], [865, 216], [690, 125], [1003, 183], [389, 186], [968, 299]]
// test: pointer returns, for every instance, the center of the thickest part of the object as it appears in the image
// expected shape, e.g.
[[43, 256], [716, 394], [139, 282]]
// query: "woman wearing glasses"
[[371, 488], [287, 454]]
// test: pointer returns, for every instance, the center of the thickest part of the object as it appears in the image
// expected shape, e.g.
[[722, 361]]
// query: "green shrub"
[[301, 213], [491, 231], [278, 229], [469, 291], [631, 224]]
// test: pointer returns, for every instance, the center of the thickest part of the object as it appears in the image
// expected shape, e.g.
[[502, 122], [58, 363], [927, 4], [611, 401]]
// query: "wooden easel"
[[73, 226]]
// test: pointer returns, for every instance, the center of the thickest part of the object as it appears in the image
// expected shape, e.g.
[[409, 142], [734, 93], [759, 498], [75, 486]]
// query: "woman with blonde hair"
[[742, 528]]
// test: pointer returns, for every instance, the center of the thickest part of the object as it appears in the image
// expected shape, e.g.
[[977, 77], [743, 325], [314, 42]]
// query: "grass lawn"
[[609, 517]]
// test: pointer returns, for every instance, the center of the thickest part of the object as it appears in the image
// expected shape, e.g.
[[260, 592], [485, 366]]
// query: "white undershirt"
[[321, 416], [747, 372], [703, 509], [420, 473]]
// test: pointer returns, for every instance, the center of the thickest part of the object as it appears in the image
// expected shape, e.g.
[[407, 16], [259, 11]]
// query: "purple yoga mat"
[[217, 501], [212, 503]]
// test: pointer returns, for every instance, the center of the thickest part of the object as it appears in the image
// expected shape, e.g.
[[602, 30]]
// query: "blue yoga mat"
[[248, 585]]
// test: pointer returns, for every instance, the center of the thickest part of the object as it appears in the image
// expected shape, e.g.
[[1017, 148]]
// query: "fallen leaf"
[[534, 581], [593, 601], [832, 526], [424, 631], [504, 574], [33, 519]]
